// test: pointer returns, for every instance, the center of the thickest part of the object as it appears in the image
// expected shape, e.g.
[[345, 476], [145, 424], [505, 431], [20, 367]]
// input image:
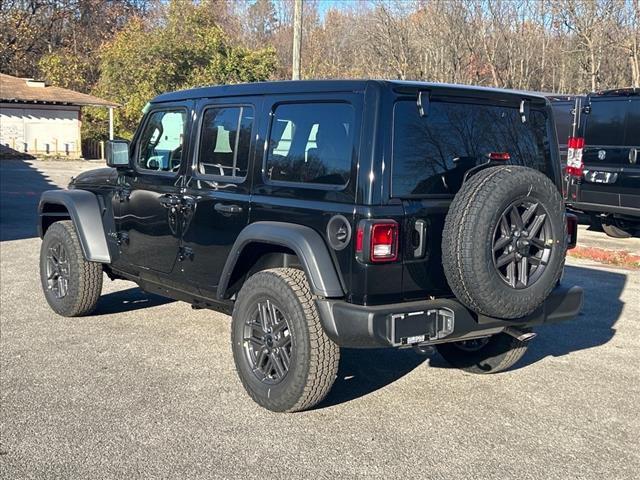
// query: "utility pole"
[[297, 39]]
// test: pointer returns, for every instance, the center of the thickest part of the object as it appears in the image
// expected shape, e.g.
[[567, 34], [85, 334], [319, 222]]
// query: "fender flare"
[[307, 244], [86, 215]]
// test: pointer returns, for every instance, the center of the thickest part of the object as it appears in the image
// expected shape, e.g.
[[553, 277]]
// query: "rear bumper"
[[602, 208], [431, 321]]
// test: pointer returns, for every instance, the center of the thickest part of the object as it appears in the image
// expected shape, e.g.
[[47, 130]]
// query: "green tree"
[[186, 48]]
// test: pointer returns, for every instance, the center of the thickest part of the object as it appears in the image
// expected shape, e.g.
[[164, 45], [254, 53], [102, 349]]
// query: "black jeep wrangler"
[[328, 214]]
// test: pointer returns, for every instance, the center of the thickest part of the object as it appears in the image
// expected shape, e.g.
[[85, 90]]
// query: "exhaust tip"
[[521, 335]]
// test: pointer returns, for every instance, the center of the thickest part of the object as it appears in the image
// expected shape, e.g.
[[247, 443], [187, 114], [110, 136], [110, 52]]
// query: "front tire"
[[283, 357], [484, 355], [71, 284]]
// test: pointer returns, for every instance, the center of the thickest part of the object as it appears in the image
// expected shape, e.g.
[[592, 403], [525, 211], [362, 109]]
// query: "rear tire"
[[283, 357], [499, 353], [615, 231], [71, 284]]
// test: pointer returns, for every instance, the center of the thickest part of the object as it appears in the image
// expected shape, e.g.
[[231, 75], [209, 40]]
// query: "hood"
[[99, 176]]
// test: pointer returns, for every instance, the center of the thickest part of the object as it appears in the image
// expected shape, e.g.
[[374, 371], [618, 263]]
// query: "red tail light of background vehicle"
[[575, 147]]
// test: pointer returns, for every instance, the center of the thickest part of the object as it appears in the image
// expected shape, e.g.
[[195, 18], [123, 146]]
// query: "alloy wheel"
[[522, 243], [268, 343], [58, 270]]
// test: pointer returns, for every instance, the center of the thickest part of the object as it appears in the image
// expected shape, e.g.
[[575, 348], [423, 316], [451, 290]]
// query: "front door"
[[217, 193], [148, 196]]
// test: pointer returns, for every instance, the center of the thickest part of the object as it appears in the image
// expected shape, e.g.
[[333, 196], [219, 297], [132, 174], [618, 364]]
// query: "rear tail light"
[[575, 147], [572, 230], [384, 242], [377, 241]]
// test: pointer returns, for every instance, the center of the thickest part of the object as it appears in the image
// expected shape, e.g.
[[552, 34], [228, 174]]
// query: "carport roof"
[[23, 90]]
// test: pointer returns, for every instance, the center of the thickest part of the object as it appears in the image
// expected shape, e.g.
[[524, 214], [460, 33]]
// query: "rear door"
[[630, 175], [431, 155], [608, 139], [217, 190]]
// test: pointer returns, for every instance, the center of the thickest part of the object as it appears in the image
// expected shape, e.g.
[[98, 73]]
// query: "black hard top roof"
[[319, 86], [617, 92]]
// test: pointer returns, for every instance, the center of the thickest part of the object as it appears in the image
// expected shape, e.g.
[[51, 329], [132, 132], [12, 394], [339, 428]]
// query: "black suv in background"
[[604, 167], [328, 214]]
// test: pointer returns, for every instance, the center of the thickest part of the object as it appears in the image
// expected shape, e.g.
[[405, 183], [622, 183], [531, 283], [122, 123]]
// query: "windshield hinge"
[[423, 103]]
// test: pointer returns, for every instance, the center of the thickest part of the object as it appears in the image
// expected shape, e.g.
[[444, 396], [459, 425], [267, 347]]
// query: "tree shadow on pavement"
[[20, 189], [363, 371], [127, 301]]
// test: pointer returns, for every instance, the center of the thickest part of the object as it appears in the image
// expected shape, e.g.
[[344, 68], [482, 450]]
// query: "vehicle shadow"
[[595, 324], [128, 300], [20, 189], [364, 371]]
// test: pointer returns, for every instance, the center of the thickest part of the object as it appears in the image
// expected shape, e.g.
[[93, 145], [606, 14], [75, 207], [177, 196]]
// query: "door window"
[[162, 140], [225, 142], [311, 143], [632, 138]]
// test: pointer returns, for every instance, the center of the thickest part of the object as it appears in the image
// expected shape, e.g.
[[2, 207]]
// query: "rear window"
[[605, 123], [563, 116], [432, 153]]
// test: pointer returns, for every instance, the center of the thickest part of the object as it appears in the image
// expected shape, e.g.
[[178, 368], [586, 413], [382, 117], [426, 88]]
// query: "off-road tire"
[[500, 353], [85, 278], [615, 231], [314, 356], [468, 233]]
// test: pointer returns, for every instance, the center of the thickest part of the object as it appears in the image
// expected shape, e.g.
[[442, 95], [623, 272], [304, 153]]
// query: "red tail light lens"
[[384, 242], [575, 147], [359, 239]]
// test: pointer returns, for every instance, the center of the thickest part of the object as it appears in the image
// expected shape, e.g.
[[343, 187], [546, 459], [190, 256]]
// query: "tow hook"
[[520, 334]]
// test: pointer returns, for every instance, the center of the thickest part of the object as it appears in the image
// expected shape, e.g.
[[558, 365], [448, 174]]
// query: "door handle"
[[420, 238], [633, 156], [169, 201], [227, 209]]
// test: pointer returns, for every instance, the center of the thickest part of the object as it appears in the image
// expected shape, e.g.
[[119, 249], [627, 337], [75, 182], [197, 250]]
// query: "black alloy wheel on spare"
[[504, 241]]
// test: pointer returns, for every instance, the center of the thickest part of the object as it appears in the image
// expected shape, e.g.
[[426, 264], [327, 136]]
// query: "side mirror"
[[117, 153]]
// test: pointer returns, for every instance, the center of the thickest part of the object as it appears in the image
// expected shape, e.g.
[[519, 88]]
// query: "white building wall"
[[38, 126]]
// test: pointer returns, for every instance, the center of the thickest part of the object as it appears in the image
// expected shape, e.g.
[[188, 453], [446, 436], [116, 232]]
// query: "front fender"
[[85, 212], [305, 242]]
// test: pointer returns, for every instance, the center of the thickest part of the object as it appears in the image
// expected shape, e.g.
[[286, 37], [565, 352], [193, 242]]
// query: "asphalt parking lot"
[[146, 388]]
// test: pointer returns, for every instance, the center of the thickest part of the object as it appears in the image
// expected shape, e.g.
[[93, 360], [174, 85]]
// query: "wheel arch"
[[277, 244], [83, 209]]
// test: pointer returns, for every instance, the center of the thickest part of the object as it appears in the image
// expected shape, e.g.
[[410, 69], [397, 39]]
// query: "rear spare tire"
[[504, 241]]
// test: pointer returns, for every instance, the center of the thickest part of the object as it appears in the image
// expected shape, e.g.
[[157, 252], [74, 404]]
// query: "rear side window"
[[225, 142], [605, 122], [311, 143], [431, 154], [633, 124], [563, 116]]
